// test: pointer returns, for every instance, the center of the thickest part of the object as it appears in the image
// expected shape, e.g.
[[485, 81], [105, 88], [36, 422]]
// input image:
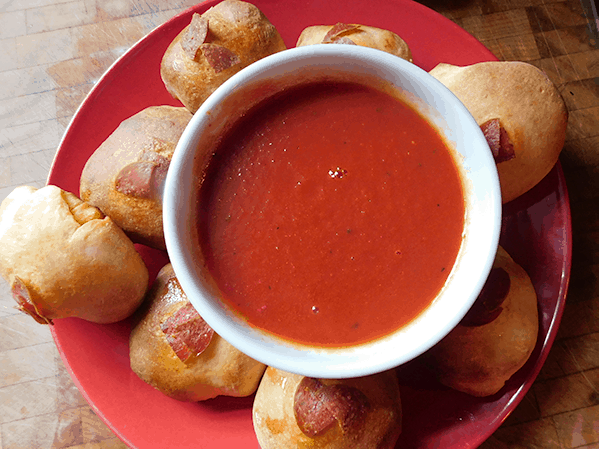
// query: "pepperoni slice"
[[498, 140], [335, 32], [220, 58], [20, 292], [344, 40], [195, 36], [136, 179], [186, 332], [487, 306], [144, 178], [318, 406]]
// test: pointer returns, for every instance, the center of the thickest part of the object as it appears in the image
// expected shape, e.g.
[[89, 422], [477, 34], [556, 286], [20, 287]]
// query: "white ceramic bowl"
[[432, 100]]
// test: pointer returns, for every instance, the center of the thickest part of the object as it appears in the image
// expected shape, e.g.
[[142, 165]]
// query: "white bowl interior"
[[380, 70]]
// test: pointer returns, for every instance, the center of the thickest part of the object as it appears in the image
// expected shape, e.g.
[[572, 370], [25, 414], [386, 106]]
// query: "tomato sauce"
[[331, 215]]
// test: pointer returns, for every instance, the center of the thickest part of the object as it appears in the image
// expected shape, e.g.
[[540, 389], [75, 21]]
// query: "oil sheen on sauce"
[[331, 215]]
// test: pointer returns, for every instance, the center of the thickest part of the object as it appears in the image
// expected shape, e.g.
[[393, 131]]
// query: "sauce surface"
[[331, 215]]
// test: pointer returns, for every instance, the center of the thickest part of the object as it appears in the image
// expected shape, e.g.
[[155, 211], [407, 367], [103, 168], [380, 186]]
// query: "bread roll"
[[519, 99], [293, 411], [124, 176], [355, 34], [175, 351], [63, 258], [215, 46], [478, 358]]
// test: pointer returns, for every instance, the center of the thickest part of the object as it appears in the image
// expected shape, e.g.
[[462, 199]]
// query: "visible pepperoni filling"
[[318, 406], [498, 140], [195, 35], [187, 333], [219, 57], [144, 178], [195, 40], [21, 294], [334, 34], [487, 306], [344, 40]]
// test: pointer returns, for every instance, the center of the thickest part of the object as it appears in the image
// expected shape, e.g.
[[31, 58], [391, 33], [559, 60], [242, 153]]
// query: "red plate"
[[536, 231]]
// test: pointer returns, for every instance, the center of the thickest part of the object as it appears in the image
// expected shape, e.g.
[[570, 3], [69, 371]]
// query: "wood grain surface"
[[52, 52]]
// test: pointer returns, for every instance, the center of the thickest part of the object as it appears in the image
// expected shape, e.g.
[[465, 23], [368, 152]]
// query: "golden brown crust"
[[276, 427], [479, 360], [68, 258], [239, 27], [153, 132], [529, 107], [219, 370], [363, 35]]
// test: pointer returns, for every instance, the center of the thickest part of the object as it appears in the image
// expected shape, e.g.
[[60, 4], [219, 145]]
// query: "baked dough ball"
[[124, 176], [215, 46], [495, 338], [521, 113], [355, 34], [63, 258], [293, 411], [173, 349]]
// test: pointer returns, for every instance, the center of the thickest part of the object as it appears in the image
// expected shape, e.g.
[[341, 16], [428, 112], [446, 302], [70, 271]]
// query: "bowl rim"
[[323, 362]]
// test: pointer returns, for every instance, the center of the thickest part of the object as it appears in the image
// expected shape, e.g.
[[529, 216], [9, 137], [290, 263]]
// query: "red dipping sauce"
[[331, 214]]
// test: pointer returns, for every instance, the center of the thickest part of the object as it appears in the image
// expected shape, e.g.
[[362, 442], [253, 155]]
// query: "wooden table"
[[52, 52]]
